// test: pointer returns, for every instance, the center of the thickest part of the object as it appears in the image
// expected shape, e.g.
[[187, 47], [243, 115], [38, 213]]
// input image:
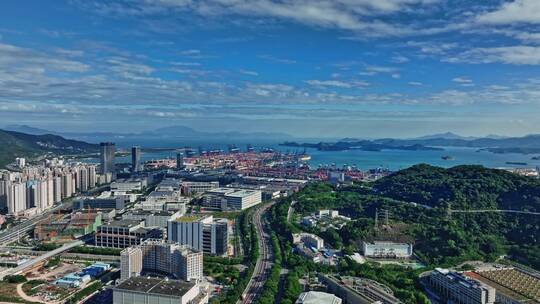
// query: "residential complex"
[[37, 188], [160, 256]]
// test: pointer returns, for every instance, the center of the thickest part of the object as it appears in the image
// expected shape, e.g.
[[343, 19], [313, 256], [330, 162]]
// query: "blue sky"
[[310, 68]]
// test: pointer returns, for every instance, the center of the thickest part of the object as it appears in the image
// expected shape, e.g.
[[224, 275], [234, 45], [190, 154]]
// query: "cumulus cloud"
[[337, 83], [516, 11], [249, 73], [517, 55]]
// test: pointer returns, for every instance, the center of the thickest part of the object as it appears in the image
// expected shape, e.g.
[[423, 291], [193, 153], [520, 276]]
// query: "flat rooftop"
[[191, 218], [159, 286], [242, 193], [151, 212], [513, 282], [122, 223]]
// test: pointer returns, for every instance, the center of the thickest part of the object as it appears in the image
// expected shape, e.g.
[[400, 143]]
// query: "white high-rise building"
[[16, 197], [57, 189], [201, 232], [67, 188], [161, 256]]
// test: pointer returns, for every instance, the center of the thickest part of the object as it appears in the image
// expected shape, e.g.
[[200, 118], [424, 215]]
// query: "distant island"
[[529, 144], [364, 145]]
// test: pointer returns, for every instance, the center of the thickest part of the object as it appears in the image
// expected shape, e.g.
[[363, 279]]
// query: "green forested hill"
[[440, 238], [464, 187], [16, 144]]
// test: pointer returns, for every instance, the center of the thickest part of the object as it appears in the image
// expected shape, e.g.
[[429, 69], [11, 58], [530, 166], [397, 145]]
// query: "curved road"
[[264, 263], [493, 210]]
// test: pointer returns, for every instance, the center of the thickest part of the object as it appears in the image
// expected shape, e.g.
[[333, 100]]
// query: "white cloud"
[[400, 59], [352, 15], [462, 79], [190, 52], [250, 73], [415, 83], [337, 83], [277, 59], [517, 11], [517, 55]]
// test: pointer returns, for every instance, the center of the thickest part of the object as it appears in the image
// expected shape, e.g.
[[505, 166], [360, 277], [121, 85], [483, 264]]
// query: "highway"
[[264, 263], [493, 210], [39, 259], [13, 233]]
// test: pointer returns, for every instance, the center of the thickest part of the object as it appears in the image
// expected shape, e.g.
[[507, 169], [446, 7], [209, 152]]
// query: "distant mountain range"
[[529, 144], [16, 144], [172, 132]]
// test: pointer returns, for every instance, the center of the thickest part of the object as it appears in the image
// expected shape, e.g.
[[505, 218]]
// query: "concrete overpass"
[[49, 254]]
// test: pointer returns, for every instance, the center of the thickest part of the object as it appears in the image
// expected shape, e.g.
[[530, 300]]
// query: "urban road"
[[263, 266]]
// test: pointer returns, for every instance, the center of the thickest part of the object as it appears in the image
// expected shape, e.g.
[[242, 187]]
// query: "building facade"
[[202, 233], [454, 287], [107, 154]]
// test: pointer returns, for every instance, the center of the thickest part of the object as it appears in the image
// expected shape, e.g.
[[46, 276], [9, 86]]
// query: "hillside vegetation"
[[16, 144], [440, 238]]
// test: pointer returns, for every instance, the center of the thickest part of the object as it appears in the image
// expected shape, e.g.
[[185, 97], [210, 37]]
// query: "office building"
[[191, 188], [129, 185], [383, 249], [232, 199], [317, 297], [117, 203], [201, 232], [124, 233], [135, 159], [137, 290], [180, 161], [454, 287], [107, 153], [160, 256]]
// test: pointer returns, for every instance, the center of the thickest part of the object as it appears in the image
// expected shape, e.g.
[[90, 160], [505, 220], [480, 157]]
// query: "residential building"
[[309, 240], [160, 256]]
